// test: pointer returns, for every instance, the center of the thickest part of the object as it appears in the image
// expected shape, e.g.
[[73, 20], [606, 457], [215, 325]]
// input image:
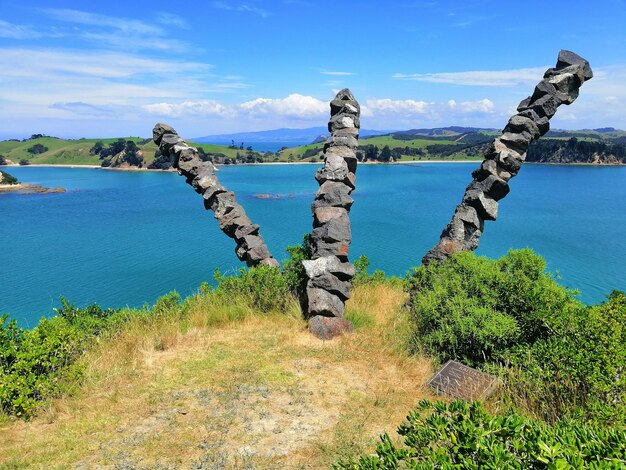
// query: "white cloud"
[[294, 105], [398, 107], [336, 74], [479, 106], [125, 25], [170, 19], [188, 108], [491, 78], [120, 32], [241, 8], [17, 31]]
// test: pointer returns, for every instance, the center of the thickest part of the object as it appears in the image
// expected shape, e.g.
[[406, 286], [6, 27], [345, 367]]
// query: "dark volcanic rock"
[[229, 213], [505, 155], [328, 272], [328, 327]]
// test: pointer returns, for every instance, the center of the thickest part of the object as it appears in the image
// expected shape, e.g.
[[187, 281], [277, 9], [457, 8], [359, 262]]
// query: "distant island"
[[9, 183], [604, 146]]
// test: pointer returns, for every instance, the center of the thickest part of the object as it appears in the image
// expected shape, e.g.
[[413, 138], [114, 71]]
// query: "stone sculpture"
[[231, 217], [329, 273], [505, 155]]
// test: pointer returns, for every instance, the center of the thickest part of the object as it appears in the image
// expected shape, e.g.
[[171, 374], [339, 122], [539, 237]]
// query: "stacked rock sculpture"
[[505, 155], [329, 273], [231, 217]]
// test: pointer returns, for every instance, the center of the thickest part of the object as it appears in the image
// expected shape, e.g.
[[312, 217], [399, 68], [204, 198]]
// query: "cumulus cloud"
[[188, 108], [295, 105], [480, 106], [398, 107], [491, 78]]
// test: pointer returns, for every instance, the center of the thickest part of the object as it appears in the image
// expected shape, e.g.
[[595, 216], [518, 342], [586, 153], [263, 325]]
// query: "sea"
[[125, 238]]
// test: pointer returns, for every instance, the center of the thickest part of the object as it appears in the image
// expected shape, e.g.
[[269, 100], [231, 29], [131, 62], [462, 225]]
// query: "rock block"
[[327, 328]]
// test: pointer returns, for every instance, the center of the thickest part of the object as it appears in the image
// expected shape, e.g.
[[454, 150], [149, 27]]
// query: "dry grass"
[[229, 388]]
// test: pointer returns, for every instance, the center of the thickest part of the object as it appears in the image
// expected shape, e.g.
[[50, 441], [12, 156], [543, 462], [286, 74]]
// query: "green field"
[[297, 153], [76, 152]]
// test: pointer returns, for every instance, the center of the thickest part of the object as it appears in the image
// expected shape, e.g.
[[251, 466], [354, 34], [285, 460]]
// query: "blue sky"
[[99, 69]]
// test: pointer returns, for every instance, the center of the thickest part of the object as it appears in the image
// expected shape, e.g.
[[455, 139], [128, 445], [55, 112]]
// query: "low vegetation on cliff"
[[6, 178], [230, 377]]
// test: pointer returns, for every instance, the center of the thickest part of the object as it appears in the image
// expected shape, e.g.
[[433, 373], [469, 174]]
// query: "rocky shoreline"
[[29, 189]]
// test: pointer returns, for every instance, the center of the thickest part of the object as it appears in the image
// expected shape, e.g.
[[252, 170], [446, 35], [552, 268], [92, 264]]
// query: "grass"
[[379, 141], [223, 386], [76, 152]]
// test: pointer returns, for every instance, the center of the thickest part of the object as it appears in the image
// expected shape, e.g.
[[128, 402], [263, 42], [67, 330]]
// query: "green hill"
[[597, 146], [77, 152], [605, 145]]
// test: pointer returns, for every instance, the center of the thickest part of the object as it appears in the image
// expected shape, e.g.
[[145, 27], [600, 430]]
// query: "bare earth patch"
[[254, 393]]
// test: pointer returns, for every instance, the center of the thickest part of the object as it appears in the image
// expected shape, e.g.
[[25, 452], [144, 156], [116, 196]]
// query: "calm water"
[[125, 238]]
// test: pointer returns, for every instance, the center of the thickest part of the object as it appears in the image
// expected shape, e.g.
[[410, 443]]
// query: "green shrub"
[[465, 436], [293, 269], [557, 356], [262, 287], [580, 369], [37, 149], [362, 277], [167, 304], [6, 178], [474, 309], [37, 364]]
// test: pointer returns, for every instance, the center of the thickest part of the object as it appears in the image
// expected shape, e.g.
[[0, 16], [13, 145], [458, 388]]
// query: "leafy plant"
[[557, 356], [473, 309], [293, 270], [38, 364], [263, 287], [362, 277], [462, 435]]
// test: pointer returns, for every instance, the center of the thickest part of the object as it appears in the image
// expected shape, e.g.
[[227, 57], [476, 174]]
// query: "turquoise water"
[[125, 238]]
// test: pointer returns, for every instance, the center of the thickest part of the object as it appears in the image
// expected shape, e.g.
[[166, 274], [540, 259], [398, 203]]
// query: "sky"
[[107, 69]]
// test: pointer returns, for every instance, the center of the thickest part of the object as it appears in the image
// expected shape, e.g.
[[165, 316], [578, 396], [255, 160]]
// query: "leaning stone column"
[[230, 215], [505, 155], [329, 272]]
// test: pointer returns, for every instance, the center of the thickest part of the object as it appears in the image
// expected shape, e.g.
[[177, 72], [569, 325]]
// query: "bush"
[[557, 356], [474, 309], [23, 162], [6, 178], [361, 276], [38, 364], [3, 160], [580, 369], [462, 435], [293, 270], [262, 287], [37, 149]]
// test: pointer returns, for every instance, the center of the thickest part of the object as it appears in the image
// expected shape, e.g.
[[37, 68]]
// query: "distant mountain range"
[[317, 134], [277, 135]]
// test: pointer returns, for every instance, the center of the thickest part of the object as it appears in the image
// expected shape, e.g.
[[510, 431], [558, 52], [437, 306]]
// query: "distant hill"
[[593, 146], [54, 151], [276, 135], [597, 146]]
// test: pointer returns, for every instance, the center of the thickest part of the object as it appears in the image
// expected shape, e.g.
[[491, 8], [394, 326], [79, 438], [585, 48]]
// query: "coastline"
[[408, 162], [26, 188]]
